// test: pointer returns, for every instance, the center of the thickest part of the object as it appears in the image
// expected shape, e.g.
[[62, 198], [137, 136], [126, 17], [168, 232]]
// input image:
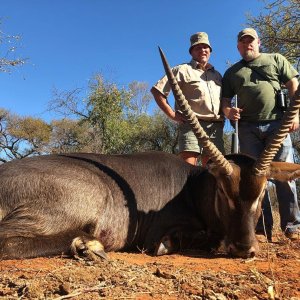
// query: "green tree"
[[116, 120], [279, 28], [140, 97], [22, 136], [159, 133], [108, 107], [112, 116], [149, 132], [67, 136]]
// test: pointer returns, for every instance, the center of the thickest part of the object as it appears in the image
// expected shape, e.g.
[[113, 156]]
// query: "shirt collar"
[[196, 65]]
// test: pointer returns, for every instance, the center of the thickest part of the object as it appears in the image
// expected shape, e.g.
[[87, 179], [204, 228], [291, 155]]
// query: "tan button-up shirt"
[[201, 88]]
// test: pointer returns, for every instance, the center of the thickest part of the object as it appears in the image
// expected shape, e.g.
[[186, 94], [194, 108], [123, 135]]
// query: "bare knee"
[[189, 157]]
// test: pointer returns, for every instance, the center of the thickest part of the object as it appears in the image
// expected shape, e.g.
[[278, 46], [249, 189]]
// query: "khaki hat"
[[247, 31], [199, 38]]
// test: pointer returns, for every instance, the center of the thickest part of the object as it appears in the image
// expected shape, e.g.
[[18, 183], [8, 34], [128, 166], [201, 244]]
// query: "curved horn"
[[273, 146], [191, 118]]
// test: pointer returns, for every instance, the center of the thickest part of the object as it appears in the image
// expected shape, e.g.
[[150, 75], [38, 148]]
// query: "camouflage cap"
[[247, 31], [199, 38]]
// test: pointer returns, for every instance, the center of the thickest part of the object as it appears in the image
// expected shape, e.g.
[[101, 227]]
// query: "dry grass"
[[275, 286]]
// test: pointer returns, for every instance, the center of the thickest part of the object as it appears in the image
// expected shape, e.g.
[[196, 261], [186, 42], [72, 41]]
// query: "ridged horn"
[[212, 151], [273, 146]]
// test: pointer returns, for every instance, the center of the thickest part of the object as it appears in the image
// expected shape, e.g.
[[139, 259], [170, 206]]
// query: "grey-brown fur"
[[122, 200], [125, 201]]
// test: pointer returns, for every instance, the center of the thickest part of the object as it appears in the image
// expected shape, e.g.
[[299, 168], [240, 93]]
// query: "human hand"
[[294, 126], [234, 113], [179, 117]]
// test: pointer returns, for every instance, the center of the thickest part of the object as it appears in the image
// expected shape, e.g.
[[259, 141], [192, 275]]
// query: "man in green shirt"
[[257, 80]]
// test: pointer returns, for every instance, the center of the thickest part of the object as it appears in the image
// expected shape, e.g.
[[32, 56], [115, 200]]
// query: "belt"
[[211, 121]]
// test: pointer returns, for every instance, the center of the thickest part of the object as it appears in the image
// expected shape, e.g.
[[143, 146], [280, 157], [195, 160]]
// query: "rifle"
[[235, 134]]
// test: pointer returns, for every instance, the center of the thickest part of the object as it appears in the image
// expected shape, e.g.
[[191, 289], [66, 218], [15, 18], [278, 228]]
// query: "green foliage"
[[36, 131], [140, 97], [279, 28], [107, 107], [115, 120], [67, 136], [145, 133], [22, 136]]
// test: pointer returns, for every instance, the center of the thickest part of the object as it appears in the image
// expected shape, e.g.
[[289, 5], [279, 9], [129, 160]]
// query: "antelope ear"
[[283, 171]]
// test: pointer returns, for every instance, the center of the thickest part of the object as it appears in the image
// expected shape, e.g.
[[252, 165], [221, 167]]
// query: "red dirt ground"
[[273, 274]]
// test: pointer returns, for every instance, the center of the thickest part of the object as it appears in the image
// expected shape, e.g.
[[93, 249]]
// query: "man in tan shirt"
[[201, 85]]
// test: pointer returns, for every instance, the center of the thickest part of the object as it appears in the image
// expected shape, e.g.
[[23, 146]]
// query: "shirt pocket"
[[267, 72], [193, 87]]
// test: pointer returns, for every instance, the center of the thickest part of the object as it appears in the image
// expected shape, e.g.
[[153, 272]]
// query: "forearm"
[[293, 86], [162, 102], [226, 107]]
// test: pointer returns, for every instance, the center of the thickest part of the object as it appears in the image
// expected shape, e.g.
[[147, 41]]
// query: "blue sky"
[[68, 41]]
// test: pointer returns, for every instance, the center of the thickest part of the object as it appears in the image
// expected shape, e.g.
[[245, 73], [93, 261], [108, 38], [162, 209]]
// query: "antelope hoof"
[[164, 247], [90, 248]]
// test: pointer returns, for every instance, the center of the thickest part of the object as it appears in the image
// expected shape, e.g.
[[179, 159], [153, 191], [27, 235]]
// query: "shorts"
[[188, 142]]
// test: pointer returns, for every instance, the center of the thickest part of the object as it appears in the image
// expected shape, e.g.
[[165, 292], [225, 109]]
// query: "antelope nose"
[[242, 251], [252, 252]]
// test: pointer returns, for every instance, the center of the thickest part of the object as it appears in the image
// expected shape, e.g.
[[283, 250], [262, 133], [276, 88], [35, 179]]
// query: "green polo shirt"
[[255, 83]]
